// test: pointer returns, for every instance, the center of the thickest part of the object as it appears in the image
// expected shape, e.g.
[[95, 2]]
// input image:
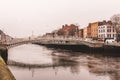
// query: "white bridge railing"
[[63, 41]]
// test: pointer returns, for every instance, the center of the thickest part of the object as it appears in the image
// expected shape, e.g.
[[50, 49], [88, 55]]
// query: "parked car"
[[109, 40]]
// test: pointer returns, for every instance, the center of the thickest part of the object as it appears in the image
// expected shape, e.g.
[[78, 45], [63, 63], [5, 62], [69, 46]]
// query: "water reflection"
[[61, 65], [56, 73]]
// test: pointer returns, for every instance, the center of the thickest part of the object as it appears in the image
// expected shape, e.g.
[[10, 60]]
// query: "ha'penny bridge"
[[63, 43], [46, 41]]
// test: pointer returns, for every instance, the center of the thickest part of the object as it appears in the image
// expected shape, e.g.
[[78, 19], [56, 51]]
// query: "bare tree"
[[116, 24]]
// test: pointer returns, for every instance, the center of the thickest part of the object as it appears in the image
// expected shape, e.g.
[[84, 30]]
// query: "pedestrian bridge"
[[42, 41], [64, 43], [56, 42]]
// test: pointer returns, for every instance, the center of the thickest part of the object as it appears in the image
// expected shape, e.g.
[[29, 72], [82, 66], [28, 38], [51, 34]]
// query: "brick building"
[[69, 31], [89, 31]]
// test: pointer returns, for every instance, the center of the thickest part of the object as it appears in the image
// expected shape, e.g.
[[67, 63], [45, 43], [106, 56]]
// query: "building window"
[[108, 35], [99, 31], [108, 30], [113, 30], [99, 35]]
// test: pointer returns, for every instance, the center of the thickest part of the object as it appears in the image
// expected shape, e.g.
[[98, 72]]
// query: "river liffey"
[[35, 62]]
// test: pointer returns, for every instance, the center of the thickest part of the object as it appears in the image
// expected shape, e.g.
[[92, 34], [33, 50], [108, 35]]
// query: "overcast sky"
[[19, 18]]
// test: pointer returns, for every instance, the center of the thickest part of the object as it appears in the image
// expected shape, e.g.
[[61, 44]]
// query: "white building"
[[106, 30]]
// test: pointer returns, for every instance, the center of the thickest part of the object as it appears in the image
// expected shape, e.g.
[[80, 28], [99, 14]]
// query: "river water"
[[35, 62]]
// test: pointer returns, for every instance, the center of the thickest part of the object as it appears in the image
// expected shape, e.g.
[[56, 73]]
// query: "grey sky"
[[20, 17]]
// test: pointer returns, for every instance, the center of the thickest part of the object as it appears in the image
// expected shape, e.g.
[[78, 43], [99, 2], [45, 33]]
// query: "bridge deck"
[[60, 41]]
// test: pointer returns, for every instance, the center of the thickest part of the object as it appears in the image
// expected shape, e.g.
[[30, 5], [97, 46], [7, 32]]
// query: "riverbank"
[[5, 73], [105, 50]]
